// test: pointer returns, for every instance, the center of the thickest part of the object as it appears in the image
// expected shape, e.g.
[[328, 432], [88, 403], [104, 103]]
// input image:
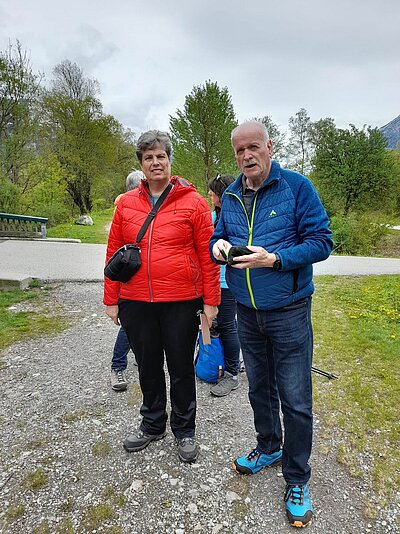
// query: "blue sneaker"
[[255, 461], [298, 505]]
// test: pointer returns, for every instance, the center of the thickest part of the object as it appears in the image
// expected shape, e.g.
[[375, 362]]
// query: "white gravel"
[[58, 414]]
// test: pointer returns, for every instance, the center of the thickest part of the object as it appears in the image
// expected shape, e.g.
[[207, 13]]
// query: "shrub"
[[357, 234], [47, 197], [9, 196], [100, 204]]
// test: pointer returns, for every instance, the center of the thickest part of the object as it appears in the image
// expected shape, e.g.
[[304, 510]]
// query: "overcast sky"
[[336, 58]]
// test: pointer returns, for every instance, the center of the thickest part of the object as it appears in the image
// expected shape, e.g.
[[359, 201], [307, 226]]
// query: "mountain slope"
[[391, 131]]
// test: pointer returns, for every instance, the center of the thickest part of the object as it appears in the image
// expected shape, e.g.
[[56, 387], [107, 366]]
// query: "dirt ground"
[[63, 468]]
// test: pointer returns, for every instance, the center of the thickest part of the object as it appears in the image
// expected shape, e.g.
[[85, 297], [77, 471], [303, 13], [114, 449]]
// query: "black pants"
[[154, 328]]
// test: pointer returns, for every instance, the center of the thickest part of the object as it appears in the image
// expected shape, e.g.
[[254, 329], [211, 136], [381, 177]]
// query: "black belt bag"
[[125, 262]]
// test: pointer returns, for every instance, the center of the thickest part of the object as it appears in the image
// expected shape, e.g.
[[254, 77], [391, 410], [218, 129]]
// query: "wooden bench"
[[12, 225]]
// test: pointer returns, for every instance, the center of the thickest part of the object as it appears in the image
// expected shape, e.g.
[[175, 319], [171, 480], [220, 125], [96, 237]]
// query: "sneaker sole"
[[143, 446], [188, 461], [299, 524], [247, 471], [119, 387], [223, 394]]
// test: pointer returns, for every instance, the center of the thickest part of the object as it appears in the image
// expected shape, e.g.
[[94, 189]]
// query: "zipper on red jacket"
[[148, 261], [149, 246]]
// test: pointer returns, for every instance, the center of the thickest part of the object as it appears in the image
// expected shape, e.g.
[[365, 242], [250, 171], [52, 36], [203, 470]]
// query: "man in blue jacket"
[[278, 215]]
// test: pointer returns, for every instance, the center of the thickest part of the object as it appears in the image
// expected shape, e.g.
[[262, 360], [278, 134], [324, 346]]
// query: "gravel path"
[[63, 468]]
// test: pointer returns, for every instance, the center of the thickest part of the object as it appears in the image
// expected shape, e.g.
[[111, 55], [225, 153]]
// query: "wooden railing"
[[12, 225]]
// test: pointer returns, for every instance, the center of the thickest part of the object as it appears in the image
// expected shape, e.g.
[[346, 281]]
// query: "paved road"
[[51, 260], [55, 261]]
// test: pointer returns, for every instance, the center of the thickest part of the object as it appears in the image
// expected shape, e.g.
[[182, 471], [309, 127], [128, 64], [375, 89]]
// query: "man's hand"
[[210, 312], [112, 312], [260, 258], [221, 244]]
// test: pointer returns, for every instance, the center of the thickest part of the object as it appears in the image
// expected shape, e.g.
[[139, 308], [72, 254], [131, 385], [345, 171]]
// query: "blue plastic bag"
[[209, 363]]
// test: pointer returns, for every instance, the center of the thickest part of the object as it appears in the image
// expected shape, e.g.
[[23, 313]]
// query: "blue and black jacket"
[[288, 218]]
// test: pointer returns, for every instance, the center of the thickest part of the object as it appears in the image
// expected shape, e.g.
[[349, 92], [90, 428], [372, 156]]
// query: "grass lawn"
[[357, 337], [17, 325], [87, 234]]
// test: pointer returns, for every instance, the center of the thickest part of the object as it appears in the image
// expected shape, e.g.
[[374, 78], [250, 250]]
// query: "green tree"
[[89, 145], [10, 195], [70, 81], [394, 196], [122, 159], [299, 147], [278, 138], [201, 135], [320, 131], [19, 90], [351, 168], [48, 197]]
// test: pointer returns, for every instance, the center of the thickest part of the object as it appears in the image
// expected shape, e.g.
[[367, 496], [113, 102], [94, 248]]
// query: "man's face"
[[252, 152]]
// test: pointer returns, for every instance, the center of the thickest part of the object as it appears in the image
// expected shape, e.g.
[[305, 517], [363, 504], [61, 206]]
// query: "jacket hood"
[[180, 186]]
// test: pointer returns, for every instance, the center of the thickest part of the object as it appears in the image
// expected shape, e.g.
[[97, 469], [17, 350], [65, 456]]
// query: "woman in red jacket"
[[158, 307]]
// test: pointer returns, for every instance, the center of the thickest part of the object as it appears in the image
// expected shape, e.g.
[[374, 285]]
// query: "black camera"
[[237, 251]]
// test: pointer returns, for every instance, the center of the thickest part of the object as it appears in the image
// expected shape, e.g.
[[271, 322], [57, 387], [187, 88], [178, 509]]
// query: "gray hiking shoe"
[[118, 380], [188, 449], [139, 440], [225, 385]]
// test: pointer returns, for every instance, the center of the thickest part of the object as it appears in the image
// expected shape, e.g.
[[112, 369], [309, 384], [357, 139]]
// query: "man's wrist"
[[277, 265]]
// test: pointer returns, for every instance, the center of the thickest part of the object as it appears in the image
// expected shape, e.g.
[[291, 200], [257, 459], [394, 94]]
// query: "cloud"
[[337, 59], [89, 48]]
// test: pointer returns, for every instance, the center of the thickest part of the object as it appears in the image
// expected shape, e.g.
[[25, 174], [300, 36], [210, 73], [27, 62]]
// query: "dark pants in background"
[[155, 328], [121, 349], [227, 328]]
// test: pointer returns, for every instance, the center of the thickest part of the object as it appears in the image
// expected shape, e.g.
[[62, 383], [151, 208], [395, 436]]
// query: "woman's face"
[[156, 165], [216, 201]]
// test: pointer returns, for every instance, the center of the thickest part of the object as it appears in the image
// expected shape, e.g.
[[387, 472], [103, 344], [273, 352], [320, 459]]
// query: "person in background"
[[226, 318], [159, 307], [119, 362], [278, 215]]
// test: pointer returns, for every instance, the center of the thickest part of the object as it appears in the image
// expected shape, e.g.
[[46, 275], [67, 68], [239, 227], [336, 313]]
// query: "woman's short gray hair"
[[149, 140], [133, 180]]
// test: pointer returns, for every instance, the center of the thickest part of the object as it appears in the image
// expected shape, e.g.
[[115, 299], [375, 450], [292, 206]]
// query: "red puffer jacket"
[[176, 263]]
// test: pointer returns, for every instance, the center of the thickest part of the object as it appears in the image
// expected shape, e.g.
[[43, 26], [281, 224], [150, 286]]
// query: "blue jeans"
[[277, 352], [227, 328], [121, 348]]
